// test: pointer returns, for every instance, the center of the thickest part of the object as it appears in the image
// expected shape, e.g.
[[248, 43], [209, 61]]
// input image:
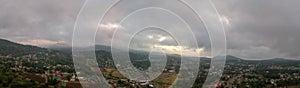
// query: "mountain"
[[63, 48], [232, 58], [102, 48], [274, 61], [15, 49], [8, 48], [68, 49], [43, 55], [278, 60], [281, 61]]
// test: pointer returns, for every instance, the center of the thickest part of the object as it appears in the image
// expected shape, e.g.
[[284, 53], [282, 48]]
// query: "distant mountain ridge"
[[7, 47]]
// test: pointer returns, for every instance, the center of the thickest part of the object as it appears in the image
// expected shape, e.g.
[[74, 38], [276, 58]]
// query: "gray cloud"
[[50, 20], [268, 27], [257, 29]]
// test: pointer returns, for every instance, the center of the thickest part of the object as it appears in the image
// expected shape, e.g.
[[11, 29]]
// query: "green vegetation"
[[11, 79]]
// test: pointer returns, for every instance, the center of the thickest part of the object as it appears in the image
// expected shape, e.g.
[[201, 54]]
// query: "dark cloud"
[[256, 29], [268, 27], [51, 20]]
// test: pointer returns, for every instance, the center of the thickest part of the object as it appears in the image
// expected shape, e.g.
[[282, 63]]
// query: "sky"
[[255, 29]]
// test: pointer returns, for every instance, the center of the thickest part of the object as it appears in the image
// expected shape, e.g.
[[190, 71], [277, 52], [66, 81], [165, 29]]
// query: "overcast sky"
[[255, 29]]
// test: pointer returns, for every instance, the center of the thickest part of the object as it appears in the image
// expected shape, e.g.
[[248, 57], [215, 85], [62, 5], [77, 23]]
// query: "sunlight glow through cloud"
[[110, 26], [183, 50], [150, 36], [161, 39], [225, 20]]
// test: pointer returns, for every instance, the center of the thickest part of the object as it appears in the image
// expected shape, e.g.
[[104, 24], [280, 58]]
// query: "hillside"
[[103, 54], [15, 49]]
